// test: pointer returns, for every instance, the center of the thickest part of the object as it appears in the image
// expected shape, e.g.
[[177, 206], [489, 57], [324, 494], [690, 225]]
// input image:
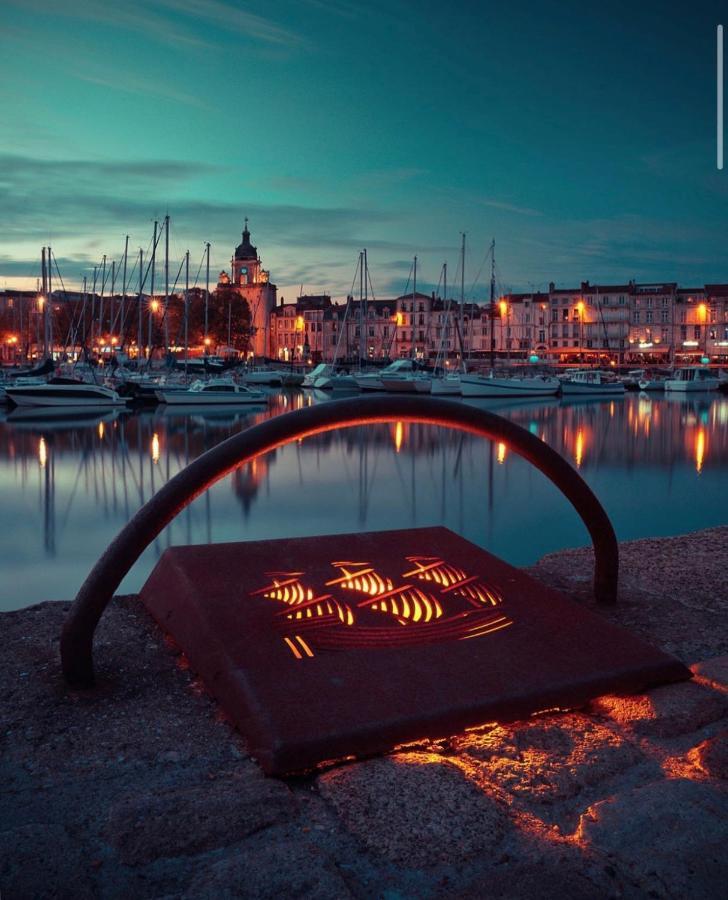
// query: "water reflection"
[[70, 482]]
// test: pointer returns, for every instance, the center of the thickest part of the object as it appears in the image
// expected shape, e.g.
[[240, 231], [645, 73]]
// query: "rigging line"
[[408, 279], [482, 266]]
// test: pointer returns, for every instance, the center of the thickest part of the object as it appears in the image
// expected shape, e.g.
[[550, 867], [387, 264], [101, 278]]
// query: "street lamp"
[[702, 319], [580, 310], [503, 309]]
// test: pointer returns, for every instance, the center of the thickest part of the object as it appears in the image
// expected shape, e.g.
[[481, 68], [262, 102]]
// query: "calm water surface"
[[659, 465]]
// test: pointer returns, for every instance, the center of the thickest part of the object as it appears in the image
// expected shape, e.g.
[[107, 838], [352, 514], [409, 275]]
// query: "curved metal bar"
[[106, 576]]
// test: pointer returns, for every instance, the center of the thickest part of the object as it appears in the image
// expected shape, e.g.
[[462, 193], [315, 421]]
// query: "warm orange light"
[[398, 436], [503, 308], [699, 450], [101, 431], [41, 302], [702, 312], [579, 448], [300, 323], [207, 342], [12, 339], [580, 307], [398, 319], [501, 454], [42, 453], [155, 447], [154, 305]]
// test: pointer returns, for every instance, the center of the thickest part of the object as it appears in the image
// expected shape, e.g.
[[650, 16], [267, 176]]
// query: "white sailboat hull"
[[211, 398], [705, 384], [445, 387], [480, 386], [61, 395], [608, 389]]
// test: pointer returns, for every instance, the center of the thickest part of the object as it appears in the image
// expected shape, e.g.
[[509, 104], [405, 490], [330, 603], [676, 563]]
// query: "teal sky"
[[581, 136]]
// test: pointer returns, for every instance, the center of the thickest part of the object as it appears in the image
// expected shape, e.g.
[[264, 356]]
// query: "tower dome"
[[246, 250]]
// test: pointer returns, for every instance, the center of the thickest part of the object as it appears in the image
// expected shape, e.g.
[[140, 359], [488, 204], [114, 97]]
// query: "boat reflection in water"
[[72, 479]]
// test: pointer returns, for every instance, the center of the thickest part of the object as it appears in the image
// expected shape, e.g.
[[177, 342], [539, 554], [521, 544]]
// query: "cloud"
[[172, 21]]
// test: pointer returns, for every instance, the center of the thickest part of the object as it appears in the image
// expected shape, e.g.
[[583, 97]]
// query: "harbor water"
[[70, 481]]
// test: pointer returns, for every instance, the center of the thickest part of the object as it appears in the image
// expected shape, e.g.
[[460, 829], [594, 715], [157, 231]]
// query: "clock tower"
[[252, 282]]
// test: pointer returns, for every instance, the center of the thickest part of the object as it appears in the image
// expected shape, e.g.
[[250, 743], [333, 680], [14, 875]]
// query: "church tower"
[[252, 282]]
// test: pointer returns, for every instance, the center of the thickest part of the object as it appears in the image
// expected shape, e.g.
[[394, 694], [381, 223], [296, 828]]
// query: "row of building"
[[633, 322], [645, 323]]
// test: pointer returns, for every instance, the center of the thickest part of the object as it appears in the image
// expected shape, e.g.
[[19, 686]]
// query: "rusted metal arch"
[[106, 576]]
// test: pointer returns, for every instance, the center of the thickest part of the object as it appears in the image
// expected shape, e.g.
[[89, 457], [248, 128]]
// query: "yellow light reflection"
[[155, 447], [398, 436], [101, 431], [579, 448], [501, 454], [699, 449], [42, 453]]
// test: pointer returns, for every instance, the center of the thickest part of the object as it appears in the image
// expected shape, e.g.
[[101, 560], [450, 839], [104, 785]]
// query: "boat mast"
[[139, 306], [207, 292], [166, 282], [49, 304], [187, 293], [361, 308], [365, 336], [122, 315], [44, 294], [462, 304], [112, 319], [492, 304], [414, 294], [151, 292], [101, 300]]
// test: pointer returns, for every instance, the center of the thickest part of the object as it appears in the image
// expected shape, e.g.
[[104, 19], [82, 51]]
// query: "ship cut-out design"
[[429, 602]]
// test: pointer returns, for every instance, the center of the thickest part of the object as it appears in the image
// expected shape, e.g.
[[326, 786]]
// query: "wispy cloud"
[[172, 21]]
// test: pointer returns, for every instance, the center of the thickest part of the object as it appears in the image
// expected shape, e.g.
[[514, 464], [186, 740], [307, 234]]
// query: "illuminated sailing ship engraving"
[[362, 608]]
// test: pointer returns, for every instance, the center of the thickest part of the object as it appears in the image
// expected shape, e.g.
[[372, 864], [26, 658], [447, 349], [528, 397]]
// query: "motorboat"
[[317, 372], [475, 385], [336, 381], [591, 382], [652, 382], [64, 392], [372, 381], [220, 391], [692, 379], [262, 376], [446, 386], [632, 379]]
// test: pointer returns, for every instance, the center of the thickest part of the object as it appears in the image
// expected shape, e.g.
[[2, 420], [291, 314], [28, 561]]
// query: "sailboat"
[[477, 385]]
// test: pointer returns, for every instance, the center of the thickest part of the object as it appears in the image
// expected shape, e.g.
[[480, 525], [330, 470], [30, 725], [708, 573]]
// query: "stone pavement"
[[140, 788]]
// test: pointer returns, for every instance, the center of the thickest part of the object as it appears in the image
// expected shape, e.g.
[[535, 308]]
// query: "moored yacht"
[[474, 385], [220, 391], [591, 382], [372, 381], [692, 379], [64, 392]]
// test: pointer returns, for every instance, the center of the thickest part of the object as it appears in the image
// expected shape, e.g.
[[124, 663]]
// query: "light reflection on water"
[[69, 483]]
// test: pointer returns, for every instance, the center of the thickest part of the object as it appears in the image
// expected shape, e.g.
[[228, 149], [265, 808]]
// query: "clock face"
[[244, 270]]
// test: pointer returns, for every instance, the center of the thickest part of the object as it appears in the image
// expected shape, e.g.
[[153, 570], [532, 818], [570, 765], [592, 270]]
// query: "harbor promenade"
[[140, 788]]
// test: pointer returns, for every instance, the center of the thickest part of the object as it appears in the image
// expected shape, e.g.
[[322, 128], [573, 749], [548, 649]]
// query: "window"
[[636, 317], [541, 337], [564, 314], [649, 303], [621, 303], [648, 316], [696, 332], [665, 301], [664, 315]]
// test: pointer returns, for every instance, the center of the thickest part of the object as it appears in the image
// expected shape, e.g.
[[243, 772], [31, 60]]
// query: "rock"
[[671, 835], [268, 872], [714, 671], [549, 759], [712, 755], [416, 809], [189, 820], [666, 711]]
